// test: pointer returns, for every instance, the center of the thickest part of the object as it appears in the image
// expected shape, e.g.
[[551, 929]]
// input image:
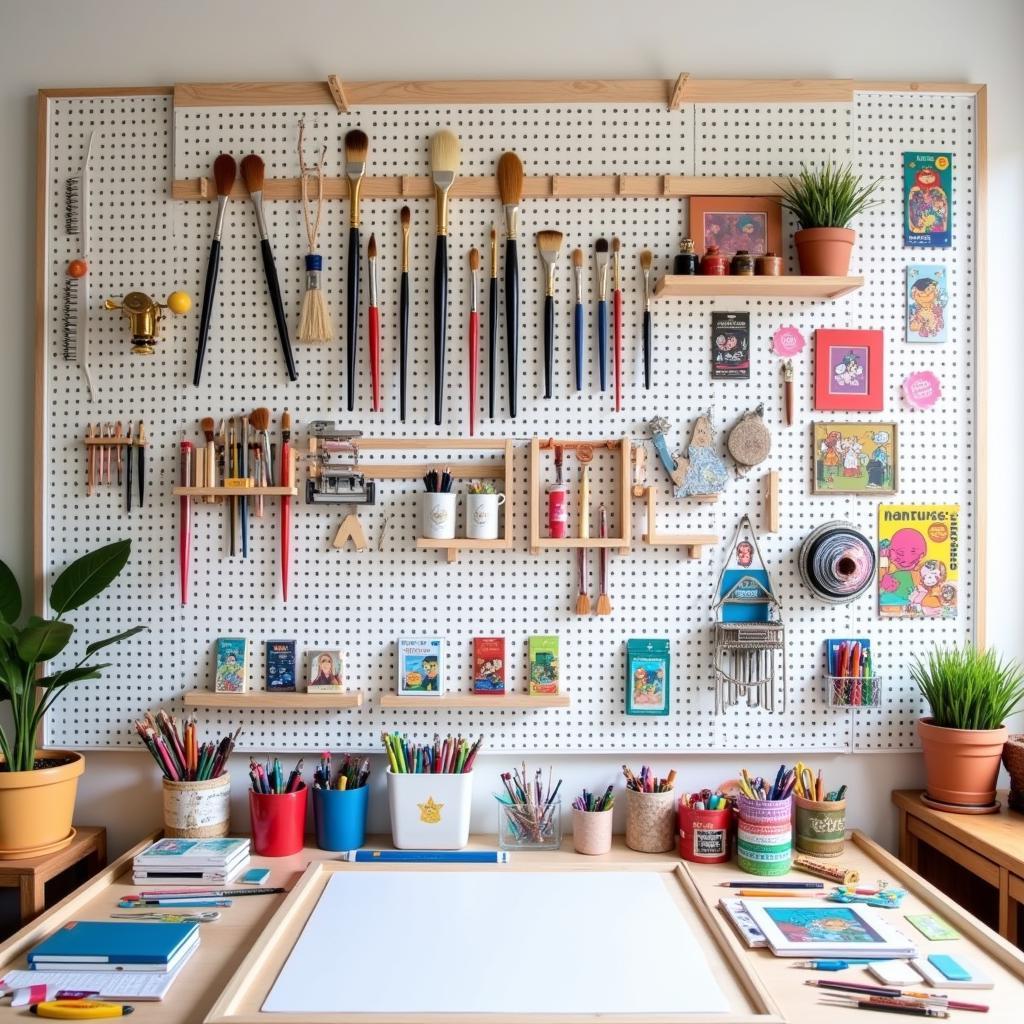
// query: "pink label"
[[922, 389], [787, 341]]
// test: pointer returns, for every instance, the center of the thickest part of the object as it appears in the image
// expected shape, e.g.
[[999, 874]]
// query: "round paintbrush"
[[577, 273], [444, 162], [403, 314], [645, 268], [510, 188], [208, 427], [357, 145]]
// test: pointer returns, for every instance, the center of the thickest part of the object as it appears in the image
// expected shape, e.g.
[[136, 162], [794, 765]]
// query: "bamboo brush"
[[604, 605], [577, 273], [645, 269], [357, 145], [403, 313], [550, 244], [444, 162], [601, 265], [492, 325], [510, 188]]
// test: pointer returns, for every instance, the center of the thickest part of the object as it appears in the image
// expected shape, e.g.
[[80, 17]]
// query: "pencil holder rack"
[[592, 831], [530, 826], [854, 691], [705, 837], [650, 821], [340, 817], [764, 835], [430, 812], [197, 810], [278, 822], [820, 826]]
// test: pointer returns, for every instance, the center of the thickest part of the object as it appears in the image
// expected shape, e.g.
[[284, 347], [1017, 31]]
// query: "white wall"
[[50, 43]]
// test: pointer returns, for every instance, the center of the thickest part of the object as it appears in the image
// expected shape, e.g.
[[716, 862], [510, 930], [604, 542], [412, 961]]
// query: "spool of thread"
[[833, 872], [837, 562]]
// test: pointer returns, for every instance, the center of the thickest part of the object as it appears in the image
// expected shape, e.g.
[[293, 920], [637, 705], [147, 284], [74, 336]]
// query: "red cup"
[[705, 836], [278, 822]]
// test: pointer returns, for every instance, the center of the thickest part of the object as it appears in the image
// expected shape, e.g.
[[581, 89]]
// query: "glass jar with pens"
[[438, 508], [529, 813], [277, 809]]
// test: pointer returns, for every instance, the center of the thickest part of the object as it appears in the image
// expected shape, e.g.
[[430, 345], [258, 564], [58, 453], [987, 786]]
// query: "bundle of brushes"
[[646, 782], [530, 807], [315, 318], [351, 774], [452, 756], [178, 753]]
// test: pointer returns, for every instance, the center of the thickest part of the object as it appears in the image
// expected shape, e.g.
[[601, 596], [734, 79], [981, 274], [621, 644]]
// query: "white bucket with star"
[[430, 812]]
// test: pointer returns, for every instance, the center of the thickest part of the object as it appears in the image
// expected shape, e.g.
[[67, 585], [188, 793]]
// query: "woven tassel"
[[315, 318]]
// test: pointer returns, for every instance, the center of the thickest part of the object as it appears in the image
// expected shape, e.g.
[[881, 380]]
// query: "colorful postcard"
[[932, 927], [927, 296], [736, 223], [543, 655], [326, 672], [231, 667], [918, 561], [928, 200], [489, 665], [730, 346], [854, 458], [848, 369], [420, 666], [795, 929], [647, 677], [280, 665]]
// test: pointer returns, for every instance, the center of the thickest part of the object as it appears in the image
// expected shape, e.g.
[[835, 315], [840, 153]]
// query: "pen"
[[193, 902], [837, 965], [772, 885], [867, 1004], [427, 856], [771, 894], [166, 894]]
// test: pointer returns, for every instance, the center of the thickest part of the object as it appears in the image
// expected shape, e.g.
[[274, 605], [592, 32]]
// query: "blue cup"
[[340, 816]]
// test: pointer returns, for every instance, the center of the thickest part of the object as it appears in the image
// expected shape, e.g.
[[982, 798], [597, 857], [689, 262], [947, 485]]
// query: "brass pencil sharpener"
[[145, 316]]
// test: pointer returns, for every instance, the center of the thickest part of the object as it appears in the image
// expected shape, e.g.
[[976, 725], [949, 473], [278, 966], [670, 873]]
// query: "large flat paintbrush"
[[224, 173], [444, 163], [601, 265], [252, 174], [510, 188], [550, 244], [403, 314], [357, 145]]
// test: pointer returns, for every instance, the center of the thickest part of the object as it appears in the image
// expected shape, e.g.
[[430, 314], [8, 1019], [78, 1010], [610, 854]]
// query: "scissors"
[[203, 916]]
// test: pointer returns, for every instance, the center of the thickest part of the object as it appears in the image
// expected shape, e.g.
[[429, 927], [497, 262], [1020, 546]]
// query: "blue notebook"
[[114, 942]]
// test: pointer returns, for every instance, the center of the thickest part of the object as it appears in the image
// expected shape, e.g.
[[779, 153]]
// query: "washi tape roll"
[[837, 562]]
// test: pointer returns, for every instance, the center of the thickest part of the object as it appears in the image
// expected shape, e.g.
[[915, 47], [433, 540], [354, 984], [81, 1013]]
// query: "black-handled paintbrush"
[[403, 313], [601, 259], [492, 326], [645, 269], [510, 188], [357, 145], [444, 162], [549, 243], [224, 174]]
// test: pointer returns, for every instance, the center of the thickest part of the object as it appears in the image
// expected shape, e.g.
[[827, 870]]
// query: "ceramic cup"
[[482, 515], [592, 831], [438, 515]]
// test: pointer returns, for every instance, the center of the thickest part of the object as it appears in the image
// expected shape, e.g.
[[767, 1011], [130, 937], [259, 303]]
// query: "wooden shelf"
[[792, 286], [457, 544], [480, 701], [693, 542], [583, 542], [257, 699], [235, 492]]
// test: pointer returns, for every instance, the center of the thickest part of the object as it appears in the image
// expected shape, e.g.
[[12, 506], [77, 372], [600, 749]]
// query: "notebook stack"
[[187, 861]]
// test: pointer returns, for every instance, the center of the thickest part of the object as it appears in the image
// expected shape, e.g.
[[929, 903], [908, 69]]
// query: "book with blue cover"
[[114, 942]]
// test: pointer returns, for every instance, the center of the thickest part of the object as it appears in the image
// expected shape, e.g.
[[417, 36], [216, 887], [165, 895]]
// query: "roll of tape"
[[837, 562]]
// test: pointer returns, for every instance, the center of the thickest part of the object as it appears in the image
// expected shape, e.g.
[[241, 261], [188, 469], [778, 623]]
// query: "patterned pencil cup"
[[650, 821], [340, 817], [430, 812], [764, 836], [820, 826], [437, 515], [705, 837], [197, 810], [592, 831], [530, 826], [482, 515], [278, 822]]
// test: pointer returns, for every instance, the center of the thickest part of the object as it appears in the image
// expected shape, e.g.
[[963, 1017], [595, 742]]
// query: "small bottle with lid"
[[714, 263], [743, 263], [686, 261]]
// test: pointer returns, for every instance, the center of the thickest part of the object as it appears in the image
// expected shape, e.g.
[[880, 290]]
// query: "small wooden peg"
[[337, 93], [771, 501], [351, 529], [676, 99]]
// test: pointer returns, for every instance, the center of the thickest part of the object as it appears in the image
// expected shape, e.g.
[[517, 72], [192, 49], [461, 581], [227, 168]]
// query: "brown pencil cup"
[[197, 810], [592, 831], [820, 826], [650, 821]]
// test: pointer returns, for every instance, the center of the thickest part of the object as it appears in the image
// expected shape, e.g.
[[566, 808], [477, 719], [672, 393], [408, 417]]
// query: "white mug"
[[482, 515], [437, 515]]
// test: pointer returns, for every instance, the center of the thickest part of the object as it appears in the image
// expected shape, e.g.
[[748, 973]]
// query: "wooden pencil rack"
[[693, 542], [215, 494]]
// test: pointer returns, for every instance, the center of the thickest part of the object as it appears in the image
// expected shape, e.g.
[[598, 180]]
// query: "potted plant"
[[971, 693], [825, 202], [38, 787]]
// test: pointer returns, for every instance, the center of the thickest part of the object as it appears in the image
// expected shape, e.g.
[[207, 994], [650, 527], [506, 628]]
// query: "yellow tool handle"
[[79, 1009]]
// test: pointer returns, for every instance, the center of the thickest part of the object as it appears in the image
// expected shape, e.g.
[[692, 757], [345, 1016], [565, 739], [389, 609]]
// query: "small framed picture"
[[232, 670], [730, 345], [280, 665], [848, 370], [855, 458], [734, 223], [647, 682], [326, 672], [420, 667], [927, 296]]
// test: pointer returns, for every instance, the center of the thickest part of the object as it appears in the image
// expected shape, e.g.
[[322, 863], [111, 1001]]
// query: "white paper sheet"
[[496, 942]]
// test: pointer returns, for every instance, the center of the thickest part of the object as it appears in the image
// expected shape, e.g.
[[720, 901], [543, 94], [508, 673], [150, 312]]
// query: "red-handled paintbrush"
[[185, 522], [286, 501], [474, 335], [373, 312], [617, 314]]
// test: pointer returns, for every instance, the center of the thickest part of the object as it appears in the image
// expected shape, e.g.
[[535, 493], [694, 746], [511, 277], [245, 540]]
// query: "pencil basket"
[[1013, 761], [706, 836], [854, 692], [592, 831], [197, 810], [340, 817], [820, 826], [764, 835], [530, 826], [650, 821], [430, 812], [278, 822]]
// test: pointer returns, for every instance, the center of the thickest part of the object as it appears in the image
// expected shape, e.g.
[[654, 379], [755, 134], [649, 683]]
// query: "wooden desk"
[[30, 875], [990, 847], [227, 942]]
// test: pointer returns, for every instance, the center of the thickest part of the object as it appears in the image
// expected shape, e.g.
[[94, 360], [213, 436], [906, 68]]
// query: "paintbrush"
[[286, 501], [474, 334], [604, 605], [90, 461], [252, 174], [510, 188], [577, 273], [403, 314], [224, 173], [243, 471], [185, 522], [617, 310], [550, 244], [444, 162], [583, 600], [373, 314], [206, 424], [357, 145], [492, 326], [645, 269], [260, 422], [231, 470], [601, 264], [119, 436], [141, 442], [128, 469]]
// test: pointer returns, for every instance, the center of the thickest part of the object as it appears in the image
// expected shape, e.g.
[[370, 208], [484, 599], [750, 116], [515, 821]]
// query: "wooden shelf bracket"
[[337, 93]]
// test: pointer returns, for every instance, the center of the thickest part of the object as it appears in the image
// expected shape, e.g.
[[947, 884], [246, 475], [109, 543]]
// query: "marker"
[[837, 965], [174, 903], [198, 893], [79, 1009], [427, 856], [771, 885]]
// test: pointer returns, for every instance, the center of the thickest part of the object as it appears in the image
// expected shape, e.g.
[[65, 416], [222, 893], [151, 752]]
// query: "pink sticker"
[[922, 389], [787, 341]]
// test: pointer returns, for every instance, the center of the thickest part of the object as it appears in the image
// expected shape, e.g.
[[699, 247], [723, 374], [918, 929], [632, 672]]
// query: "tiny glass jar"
[[714, 263], [743, 263], [530, 826], [687, 262], [768, 265]]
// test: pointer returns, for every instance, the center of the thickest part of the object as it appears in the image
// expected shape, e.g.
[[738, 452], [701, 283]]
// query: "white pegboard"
[[362, 602]]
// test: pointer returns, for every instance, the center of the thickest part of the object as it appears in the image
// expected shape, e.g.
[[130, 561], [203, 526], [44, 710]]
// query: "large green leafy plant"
[[969, 689], [23, 649], [830, 197]]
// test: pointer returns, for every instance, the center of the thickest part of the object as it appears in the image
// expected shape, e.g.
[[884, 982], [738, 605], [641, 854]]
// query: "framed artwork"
[[854, 458], [280, 665], [736, 222], [232, 670], [647, 683], [848, 369], [420, 667], [928, 200], [326, 672], [926, 302]]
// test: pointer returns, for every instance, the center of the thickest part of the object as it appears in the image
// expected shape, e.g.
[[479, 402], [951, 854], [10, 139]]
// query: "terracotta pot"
[[961, 765], [825, 252], [36, 807]]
